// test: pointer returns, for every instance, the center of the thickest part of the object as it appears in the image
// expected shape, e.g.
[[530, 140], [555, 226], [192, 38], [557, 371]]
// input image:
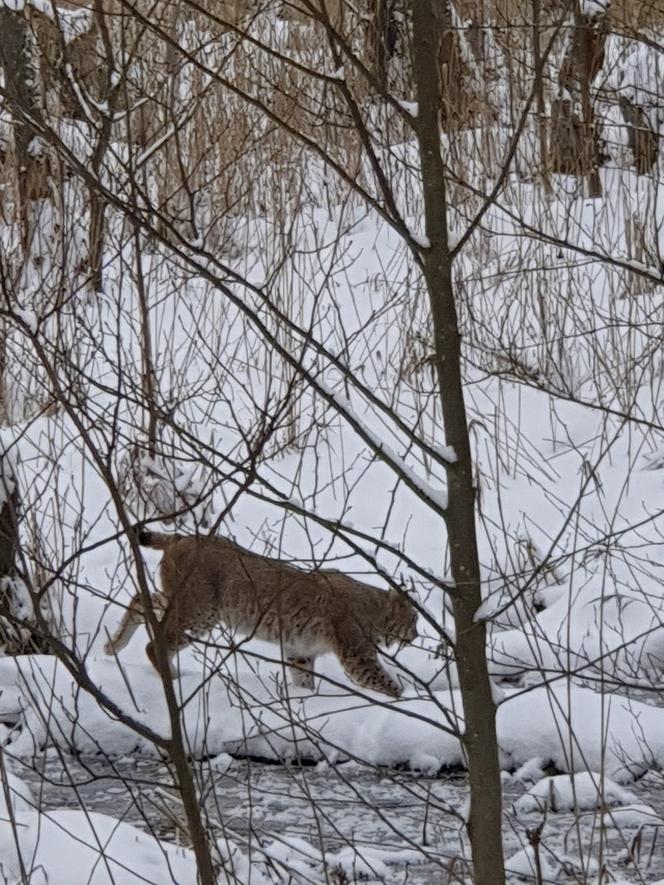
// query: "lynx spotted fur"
[[207, 581]]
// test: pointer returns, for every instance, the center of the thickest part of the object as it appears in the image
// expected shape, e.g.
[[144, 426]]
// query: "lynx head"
[[400, 624]]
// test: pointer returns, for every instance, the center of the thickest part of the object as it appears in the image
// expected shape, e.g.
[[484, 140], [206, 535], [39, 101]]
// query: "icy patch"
[[348, 863]]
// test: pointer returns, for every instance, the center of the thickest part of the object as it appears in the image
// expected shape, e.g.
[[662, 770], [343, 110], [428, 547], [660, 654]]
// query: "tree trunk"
[[23, 100], [590, 53], [8, 523], [541, 105], [479, 739]]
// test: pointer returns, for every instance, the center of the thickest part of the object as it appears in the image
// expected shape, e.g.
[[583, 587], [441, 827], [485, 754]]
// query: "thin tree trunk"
[[589, 49], [541, 107], [380, 40], [148, 377], [479, 739], [176, 746], [24, 100], [109, 96], [8, 521]]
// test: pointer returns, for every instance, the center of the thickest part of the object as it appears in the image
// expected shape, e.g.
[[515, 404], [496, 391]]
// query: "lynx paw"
[[301, 672]]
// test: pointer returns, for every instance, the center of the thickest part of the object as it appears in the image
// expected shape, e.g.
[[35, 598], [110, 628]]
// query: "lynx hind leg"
[[151, 652], [131, 621], [301, 670], [360, 661], [173, 637]]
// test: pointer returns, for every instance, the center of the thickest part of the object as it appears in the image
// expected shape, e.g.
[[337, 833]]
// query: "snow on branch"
[[436, 498]]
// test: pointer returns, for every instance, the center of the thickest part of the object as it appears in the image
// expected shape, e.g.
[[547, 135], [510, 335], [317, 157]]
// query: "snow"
[[37, 147], [18, 593], [446, 453], [82, 848], [420, 239], [29, 317], [584, 791], [9, 466], [633, 816], [410, 107], [569, 522], [437, 498], [522, 865], [221, 763], [252, 718], [245, 719], [72, 22], [593, 8], [576, 730]]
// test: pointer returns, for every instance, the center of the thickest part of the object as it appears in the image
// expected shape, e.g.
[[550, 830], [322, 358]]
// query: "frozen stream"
[[374, 811]]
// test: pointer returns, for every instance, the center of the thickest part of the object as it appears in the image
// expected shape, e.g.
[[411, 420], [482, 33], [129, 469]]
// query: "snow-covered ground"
[[298, 414]]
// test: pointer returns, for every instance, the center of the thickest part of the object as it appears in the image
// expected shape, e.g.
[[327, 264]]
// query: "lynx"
[[207, 581]]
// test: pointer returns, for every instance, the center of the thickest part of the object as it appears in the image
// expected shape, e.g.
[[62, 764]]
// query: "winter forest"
[[331, 442]]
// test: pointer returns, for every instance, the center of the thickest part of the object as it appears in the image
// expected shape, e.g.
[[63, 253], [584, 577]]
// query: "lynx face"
[[401, 622], [211, 581]]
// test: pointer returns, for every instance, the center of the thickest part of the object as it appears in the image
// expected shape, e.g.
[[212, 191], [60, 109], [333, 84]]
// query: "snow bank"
[[577, 729], [568, 726], [566, 792], [567, 636], [249, 718], [87, 848], [522, 865], [67, 847]]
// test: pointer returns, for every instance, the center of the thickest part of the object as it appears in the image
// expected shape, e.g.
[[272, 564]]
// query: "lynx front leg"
[[360, 661], [301, 670]]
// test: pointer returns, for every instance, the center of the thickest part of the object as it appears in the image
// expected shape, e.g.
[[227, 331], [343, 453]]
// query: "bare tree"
[[479, 735]]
